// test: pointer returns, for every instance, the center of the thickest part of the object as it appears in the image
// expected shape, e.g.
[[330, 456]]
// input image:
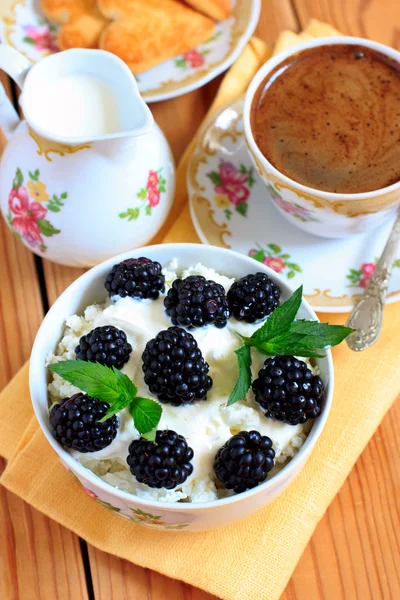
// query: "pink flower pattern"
[[234, 184], [43, 37], [26, 215], [362, 276], [153, 192], [273, 257], [292, 208], [276, 264], [194, 58], [150, 196], [27, 218]]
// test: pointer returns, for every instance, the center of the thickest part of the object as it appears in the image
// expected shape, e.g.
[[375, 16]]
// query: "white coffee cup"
[[326, 214]]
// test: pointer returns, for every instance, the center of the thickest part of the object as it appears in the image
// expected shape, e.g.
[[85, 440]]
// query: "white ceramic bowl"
[[89, 288]]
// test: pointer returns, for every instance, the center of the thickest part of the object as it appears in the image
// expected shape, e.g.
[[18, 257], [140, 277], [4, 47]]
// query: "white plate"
[[231, 208], [24, 27]]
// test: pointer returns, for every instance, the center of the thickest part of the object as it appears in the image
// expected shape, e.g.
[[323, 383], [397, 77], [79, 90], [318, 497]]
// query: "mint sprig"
[[244, 381], [279, 321], [111, 386], [282, 335], [146, 414]]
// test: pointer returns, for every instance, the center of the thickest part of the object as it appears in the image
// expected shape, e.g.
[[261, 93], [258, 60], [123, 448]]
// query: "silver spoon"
[[367, 315]]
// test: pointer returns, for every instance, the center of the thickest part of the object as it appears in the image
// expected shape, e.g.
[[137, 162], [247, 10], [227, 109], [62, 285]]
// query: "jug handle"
[[17, 67]]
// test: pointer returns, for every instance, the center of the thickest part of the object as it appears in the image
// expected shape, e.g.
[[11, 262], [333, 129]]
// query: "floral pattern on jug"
[[232, 187], [292, 208], [150, 196], [275, 259], [362, 276], [28, 206]]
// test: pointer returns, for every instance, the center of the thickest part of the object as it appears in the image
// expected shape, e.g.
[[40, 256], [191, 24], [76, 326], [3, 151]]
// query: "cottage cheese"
[[205, 425]]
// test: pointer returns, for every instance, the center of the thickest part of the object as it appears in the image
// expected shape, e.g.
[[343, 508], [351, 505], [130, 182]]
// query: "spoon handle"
[[366, 317]]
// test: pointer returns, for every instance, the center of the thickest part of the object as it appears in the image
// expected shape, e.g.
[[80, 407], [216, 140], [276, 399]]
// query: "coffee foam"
[[329, 118]]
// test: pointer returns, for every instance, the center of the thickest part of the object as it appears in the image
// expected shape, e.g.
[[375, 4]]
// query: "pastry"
[[146, 33], [82, 31], [81, 23], [62, 11], [215, 9]]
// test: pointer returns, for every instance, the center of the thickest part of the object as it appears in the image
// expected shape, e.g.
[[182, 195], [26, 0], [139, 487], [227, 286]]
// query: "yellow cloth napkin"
[[253, 558]]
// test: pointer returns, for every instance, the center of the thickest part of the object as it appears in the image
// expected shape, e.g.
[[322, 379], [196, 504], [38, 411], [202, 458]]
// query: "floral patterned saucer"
[[231, 207], [23, 27]]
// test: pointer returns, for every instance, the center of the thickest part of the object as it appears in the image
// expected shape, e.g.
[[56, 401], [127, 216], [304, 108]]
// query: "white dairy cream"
[[205, 425], [76, 105]]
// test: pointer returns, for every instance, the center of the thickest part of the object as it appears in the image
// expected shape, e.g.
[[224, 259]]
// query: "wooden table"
[[354, 552]]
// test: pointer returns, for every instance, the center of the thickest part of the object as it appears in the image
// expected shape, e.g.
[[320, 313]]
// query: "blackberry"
[[174, 368], [196, 302], [75, 423], [253, 297], [164, 463], [288, 390], [135, 277], [106, 345], [244, 461]]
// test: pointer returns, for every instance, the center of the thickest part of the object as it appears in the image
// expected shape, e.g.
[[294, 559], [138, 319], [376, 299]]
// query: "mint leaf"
[[279, 321], [125, 383], [111, 386], [282, 335], [95, 379], [323, 334], [272, 349], [119, 404], [146, 414], [243, 383], [289, 344], [150, 436]]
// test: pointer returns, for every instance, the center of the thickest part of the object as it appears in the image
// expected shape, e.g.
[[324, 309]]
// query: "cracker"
[[82, 31], [215, 9], [81, 22], [149, 32], [62, 11]]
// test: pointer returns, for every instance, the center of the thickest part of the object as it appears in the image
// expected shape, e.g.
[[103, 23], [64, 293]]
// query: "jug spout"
[[17, 66], [81, 96]]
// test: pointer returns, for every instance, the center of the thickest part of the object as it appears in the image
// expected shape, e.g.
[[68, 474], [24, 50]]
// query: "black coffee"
[[329, 118]]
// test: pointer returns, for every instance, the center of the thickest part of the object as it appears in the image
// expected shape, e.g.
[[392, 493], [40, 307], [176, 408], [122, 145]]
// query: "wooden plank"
[[115, 578], [375, 19], [38, 558]]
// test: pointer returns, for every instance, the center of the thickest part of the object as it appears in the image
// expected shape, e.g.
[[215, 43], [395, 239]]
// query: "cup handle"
[[17, 67]]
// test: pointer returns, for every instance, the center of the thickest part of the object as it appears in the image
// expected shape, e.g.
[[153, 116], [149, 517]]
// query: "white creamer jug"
[[88, 174]]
